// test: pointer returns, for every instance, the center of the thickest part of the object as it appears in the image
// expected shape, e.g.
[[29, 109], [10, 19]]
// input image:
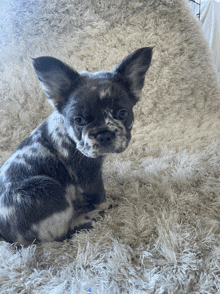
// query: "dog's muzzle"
[[105, 138], [102, 142]]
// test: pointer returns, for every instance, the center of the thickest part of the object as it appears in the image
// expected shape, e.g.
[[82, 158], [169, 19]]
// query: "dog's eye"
[[122, 114], [80, 121]]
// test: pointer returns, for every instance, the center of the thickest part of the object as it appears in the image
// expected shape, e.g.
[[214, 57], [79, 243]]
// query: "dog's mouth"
[[102, 144]]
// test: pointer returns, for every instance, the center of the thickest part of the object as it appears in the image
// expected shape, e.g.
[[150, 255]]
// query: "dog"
[[52, 183]]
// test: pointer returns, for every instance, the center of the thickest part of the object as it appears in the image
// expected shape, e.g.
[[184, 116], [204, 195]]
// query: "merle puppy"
[[52, 182]]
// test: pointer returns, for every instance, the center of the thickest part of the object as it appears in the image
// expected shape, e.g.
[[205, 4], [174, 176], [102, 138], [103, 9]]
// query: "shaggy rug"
[[162, 233]]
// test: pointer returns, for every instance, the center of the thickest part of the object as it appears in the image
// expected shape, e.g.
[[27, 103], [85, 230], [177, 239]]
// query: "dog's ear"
[[56, 78], [134, 67]]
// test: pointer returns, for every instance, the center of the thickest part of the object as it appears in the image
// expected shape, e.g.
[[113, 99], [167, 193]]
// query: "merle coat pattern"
[[52, 183]]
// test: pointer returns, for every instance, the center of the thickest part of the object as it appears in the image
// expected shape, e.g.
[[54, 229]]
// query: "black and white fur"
[[52, 183]]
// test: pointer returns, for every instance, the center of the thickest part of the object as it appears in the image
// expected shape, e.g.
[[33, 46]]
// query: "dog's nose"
[[105, 138]]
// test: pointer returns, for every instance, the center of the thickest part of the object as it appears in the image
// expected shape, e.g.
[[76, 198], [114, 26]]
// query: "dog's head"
[[96, 107]]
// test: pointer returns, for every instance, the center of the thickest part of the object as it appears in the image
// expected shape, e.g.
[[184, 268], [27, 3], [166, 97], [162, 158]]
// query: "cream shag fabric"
[[162, 234]]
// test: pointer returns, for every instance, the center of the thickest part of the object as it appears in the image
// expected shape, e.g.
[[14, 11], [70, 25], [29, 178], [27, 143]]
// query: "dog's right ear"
[[56, 78], [134, 67]]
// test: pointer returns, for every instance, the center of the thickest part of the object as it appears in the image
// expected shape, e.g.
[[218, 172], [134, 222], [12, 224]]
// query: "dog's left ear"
[[134, 67], [57, 79]]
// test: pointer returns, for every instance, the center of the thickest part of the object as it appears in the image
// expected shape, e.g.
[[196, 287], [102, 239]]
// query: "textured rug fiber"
[[162, 234]]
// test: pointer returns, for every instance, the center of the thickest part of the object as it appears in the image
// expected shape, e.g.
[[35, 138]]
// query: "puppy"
[[52, 183]]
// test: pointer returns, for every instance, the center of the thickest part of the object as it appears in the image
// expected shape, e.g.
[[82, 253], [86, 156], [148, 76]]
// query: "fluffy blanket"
[[162, 234]]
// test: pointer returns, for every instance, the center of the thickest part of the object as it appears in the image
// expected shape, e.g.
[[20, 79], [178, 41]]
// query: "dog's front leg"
[[89, 204]]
